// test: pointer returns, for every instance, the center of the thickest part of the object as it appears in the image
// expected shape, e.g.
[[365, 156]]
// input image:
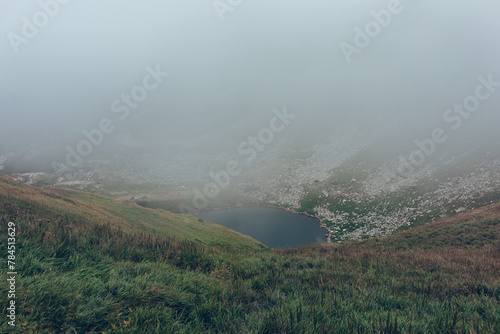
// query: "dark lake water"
[[273, 227]]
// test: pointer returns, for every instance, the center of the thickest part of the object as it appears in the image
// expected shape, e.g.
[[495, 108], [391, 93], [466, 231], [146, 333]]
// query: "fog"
[[231, 63]]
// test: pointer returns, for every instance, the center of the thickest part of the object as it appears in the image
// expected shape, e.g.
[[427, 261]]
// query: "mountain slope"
[[80, 276], [472, 229], [85, 208]]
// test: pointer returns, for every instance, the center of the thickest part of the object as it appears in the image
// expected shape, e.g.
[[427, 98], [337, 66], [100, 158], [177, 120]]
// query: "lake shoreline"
[[319, 220]]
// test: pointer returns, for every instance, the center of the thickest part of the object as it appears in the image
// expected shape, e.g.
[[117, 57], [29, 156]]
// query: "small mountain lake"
[[275, 228]]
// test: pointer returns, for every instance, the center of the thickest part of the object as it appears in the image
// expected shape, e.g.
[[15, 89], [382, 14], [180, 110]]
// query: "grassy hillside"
[[78, 276], [85, 208]]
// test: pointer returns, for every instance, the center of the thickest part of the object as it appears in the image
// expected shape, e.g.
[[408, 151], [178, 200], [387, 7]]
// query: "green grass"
[[82, 276], [87, 208]]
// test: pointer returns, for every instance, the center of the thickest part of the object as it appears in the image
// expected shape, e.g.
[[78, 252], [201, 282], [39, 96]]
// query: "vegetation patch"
[[80, 276]]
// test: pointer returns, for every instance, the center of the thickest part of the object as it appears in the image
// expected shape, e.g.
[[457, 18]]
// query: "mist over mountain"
[[308, 104], [237, 166]]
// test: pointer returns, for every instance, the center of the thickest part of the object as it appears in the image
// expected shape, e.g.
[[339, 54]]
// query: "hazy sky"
[[263, 54]]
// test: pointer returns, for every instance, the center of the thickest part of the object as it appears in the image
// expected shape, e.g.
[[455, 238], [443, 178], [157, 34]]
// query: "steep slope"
[[85, 208], [79, 276], [361, 186], [98, 279]]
